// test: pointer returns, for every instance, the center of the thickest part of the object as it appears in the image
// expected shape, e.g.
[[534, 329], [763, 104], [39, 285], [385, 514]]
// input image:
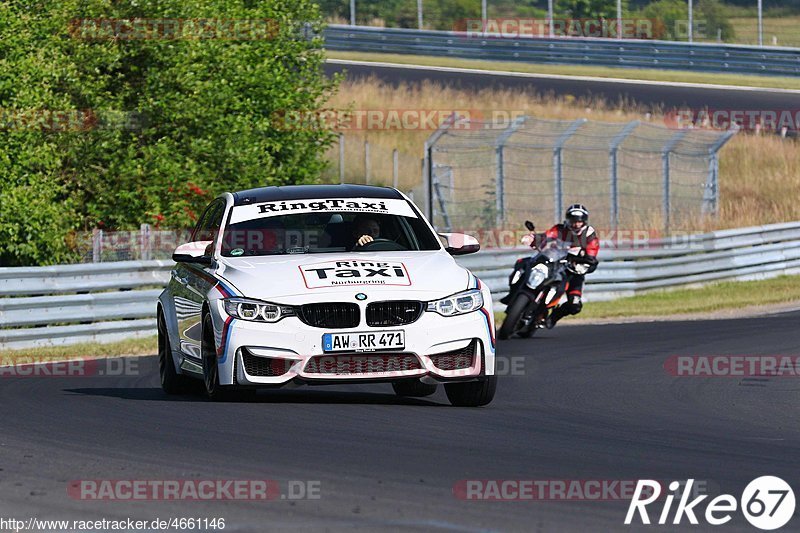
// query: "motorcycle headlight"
[[457, 304], [255, 310], [537, 276]]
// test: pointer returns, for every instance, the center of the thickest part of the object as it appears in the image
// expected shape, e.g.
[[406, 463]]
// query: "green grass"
[[139, 346], [714, 297], [784, 29], [579, 70]]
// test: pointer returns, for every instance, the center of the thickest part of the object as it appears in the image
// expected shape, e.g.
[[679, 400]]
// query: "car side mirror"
[[193, 252], [460, 244]]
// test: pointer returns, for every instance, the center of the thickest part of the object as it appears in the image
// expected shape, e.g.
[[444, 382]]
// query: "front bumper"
[[290, 351]]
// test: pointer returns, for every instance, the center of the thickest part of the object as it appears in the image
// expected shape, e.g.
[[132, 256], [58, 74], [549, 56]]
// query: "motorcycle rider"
[[576, 231]]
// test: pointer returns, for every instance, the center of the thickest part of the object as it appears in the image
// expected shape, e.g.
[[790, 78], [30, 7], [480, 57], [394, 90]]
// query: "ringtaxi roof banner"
[[378, 206]]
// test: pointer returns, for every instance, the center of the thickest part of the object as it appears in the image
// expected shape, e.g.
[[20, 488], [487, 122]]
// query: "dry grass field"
[[759, 174]]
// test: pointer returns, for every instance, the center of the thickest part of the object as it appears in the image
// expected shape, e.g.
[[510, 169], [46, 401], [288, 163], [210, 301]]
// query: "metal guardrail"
[[741, 59], [68, 304], [104, 302]]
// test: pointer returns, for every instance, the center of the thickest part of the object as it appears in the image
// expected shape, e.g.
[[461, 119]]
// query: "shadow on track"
[[265, 396]]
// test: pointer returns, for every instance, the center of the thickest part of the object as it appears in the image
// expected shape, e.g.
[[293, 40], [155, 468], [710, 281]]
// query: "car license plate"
[[367, 341]]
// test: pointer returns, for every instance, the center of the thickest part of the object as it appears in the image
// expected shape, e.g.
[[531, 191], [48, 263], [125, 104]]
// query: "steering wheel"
[[380, 245]]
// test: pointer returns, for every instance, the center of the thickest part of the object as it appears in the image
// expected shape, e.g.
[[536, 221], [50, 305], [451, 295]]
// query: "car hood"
[[295, 279]]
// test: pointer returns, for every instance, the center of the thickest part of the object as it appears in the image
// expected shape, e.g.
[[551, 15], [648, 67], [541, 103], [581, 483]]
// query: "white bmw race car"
[[325, 284]]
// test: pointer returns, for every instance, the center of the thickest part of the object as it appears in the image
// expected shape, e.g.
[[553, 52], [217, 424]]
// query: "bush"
[[714, 16], [669, 19], [154, 128]]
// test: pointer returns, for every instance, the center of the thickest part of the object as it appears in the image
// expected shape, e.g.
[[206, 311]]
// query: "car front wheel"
[[171, 381], [208, 351], [471, 393], [413, 388]]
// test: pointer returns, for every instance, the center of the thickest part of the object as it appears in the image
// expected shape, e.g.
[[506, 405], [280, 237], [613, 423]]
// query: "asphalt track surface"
[[586, 402], [653, 95]]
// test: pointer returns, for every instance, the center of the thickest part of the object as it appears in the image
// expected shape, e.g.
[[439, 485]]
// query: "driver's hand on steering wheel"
[[364, 239]]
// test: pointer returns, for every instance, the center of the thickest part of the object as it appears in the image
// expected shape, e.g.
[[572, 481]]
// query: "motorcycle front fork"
[[534, 319]]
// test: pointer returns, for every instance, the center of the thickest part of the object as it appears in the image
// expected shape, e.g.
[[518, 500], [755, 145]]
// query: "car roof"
[[301, 192]]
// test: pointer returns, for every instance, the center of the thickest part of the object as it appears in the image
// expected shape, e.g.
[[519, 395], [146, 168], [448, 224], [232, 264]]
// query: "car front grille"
[[330, 315], [456, 359], [360, 364], [264, 366], [394, 313]]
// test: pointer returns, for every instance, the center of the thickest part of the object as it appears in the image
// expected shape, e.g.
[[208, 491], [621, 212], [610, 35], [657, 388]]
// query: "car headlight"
[[457, 304], [255, 310], [537, 276]]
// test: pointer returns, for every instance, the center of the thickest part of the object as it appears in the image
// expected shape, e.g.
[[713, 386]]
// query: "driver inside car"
[[365, 230]]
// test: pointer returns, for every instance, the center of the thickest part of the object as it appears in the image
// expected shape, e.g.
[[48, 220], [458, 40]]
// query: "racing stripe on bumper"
[[222, 350], [485, 313]]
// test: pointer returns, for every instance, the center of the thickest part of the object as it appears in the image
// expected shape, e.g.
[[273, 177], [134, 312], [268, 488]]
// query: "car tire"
[[413, 388], [513, 315], [471, 393], [171, 381], [208, 352]]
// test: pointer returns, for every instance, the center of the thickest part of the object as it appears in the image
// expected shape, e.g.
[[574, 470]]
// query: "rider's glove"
[[528, 239], [592, 262]]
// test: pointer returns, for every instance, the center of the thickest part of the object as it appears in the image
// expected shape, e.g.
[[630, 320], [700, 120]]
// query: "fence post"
[[711, 192], [144, 242], [442, 207], [395, 168], [613, 148], [500, 194], [97, 245], [366, 162], [427, 163], [341, 157], [665, 169], [558, 193]]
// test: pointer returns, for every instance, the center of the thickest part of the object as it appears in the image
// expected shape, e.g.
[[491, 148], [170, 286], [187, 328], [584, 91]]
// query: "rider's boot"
[[554, 316]]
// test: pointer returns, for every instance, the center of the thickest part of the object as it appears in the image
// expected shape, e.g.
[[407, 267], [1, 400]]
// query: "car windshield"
[[326, 232]]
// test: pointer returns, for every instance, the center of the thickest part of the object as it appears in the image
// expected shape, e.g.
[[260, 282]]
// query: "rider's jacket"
[[587, 240]]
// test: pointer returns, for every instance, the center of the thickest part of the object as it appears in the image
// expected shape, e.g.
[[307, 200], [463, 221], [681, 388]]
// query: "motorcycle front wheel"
[[514, 313]]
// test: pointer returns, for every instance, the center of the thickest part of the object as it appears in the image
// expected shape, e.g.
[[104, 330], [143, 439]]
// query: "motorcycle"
[[537, 285]]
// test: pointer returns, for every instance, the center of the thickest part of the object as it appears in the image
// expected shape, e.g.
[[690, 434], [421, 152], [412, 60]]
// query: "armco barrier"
[[113, 301], [631, 53]]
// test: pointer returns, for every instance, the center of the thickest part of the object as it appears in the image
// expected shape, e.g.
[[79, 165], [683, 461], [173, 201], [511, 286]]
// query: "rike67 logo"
[[767, 503]]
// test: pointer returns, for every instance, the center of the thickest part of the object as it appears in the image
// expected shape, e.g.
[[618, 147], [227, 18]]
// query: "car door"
[[194, 281]]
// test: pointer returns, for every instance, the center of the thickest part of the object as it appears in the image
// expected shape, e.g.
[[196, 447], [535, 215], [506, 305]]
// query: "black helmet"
[[576, 213]]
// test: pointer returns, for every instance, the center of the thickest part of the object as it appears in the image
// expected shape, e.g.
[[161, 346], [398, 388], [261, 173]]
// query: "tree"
[[714, 17], [589, 9], [669, 19], [154, 127]]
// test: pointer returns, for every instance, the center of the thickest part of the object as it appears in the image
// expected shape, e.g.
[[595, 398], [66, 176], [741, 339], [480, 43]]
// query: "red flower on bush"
[[196, 190]]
